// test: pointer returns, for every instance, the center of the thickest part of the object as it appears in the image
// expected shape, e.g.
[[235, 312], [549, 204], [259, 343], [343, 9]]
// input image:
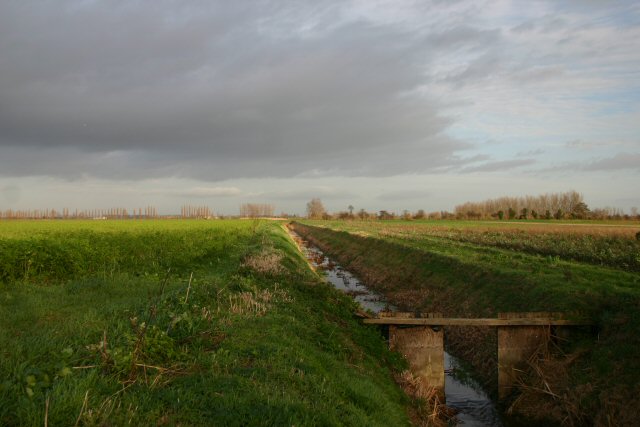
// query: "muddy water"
[[462, 393]]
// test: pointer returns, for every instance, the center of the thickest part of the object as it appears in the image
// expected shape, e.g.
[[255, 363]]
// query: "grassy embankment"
[[480, 269], [180, 322]]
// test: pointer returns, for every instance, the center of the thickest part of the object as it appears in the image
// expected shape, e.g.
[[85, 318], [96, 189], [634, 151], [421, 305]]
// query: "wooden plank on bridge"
[[453, 321]]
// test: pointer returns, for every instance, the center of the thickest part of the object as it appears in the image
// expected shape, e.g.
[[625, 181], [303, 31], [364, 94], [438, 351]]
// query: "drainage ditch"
[[462, 393]]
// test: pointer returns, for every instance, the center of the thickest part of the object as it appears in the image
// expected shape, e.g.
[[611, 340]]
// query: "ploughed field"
[[481, 268], [180, 323]]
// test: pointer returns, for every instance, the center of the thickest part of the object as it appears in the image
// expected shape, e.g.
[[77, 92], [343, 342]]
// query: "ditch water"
[[475, 408]]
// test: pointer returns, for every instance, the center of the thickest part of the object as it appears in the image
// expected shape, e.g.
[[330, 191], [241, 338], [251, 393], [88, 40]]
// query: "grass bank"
[[180, 323], [462, 277]]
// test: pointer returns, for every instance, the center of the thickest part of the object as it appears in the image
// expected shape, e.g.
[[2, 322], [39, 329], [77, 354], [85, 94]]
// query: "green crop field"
[[481, 268], [180, 323], [612, 245]]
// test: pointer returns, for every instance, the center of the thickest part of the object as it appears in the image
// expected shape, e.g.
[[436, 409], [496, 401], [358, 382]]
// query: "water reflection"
[[467, 396]]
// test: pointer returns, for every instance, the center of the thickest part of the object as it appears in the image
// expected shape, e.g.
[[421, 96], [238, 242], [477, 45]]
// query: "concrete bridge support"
[[423, 347], [516, 344], [520, 336]]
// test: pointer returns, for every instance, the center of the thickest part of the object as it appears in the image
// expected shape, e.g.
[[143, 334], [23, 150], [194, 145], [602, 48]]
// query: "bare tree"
[[256, 210], [315, 209], [190, 211]]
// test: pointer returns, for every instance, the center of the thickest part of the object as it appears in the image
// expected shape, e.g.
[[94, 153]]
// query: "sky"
[[376, 104]]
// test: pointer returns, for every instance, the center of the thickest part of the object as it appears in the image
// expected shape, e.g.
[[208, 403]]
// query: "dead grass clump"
[[257, 302], [430, 410], [618, 408], [360, 233], [246, 303], [266, 262], [546, 391]]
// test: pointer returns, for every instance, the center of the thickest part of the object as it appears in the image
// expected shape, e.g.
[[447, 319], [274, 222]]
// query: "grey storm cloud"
[[215, 90]]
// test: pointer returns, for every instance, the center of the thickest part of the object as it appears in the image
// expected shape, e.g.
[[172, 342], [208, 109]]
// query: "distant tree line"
[[147, 212], [568, 205], [111, 213], [364, 215], [256, 210], [316, 210]]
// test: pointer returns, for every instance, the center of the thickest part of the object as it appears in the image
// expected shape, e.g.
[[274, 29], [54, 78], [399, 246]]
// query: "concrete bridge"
[[420, 338]]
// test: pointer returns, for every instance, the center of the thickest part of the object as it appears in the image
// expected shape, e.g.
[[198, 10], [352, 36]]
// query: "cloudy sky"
[[376, 104]]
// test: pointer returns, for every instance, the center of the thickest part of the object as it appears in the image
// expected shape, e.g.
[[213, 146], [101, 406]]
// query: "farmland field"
[[180, 323], [612, 245], [481, 268]]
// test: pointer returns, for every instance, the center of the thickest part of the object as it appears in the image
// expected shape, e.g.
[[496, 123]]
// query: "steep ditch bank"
[[588, 389], [401, 280]]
